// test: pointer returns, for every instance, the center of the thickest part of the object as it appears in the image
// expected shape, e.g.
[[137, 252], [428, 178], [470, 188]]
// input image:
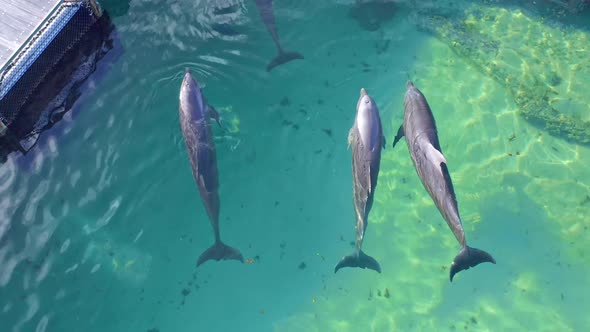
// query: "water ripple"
[[44, 270], [7, 175], [33, 305], [90, 196], [75, 177], [65, 246], [8, 262], [104, 220], [218, 34], [39, 234], [95, 268], [9, 203], [42, 325], [33, 202]]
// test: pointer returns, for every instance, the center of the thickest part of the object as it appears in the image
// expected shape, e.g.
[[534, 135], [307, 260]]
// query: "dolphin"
[[266, 13], [366, 139], [195, 114], [420, 131]]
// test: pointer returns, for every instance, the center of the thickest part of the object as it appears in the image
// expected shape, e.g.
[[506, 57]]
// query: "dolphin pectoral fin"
[[398, 136], [361, 260], [213, 114], [435, 156], [350, 137], [469, 257], [383, 143], [202, 182], [282, 58], [220, 251], [370, 189]]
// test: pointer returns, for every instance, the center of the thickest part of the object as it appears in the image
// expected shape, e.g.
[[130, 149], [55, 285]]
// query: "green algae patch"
[[230, 119], [563, 194], [125, 262], [524, 297], [545, 68], [521, 307]]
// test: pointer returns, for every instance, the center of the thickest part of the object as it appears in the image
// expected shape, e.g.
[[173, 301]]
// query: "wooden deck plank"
[[18, 20]]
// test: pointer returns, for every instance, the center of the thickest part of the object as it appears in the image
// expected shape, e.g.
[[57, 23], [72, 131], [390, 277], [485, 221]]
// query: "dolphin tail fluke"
[[469, 257], [220, 251], [283, 58], [361, 260]]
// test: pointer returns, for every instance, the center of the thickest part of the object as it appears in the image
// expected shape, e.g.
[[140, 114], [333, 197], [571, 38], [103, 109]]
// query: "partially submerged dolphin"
[[195, 114], [366, 139], [268, 17], [419, 128]]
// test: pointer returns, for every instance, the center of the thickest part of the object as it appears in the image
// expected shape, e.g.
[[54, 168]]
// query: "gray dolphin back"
[[421, 134], [196, 130], [365, 170]]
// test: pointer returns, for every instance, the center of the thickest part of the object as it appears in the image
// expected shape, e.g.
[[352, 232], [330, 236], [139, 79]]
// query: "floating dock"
[[18, 21], [37, 40], [34, 35]]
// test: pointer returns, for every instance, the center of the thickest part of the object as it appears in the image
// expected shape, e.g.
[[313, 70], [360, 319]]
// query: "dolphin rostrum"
[[268, 17], [195, 114], [366, 139], [419, 128]]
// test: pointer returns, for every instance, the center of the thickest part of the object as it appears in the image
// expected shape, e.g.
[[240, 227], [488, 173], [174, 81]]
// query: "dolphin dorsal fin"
[[435, 156]]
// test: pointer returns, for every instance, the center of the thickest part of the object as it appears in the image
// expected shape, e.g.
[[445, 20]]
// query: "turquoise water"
[[101, 223]]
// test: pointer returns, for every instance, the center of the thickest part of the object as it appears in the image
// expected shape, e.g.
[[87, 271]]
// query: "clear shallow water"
[[101, 224]]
